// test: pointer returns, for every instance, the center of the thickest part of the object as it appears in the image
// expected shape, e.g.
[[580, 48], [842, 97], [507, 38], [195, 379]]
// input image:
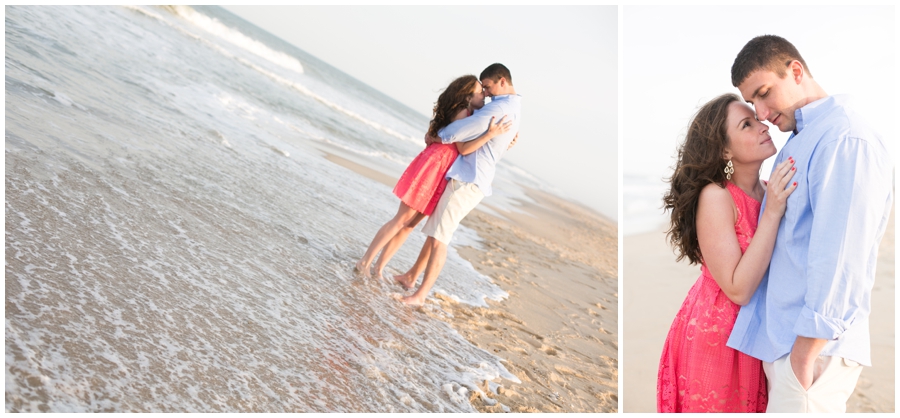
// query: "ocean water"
[[642, 203], [642, 198], [177, 241]]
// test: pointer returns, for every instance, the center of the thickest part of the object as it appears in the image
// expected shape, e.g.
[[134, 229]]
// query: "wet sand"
[[557, 331], [655, 286]]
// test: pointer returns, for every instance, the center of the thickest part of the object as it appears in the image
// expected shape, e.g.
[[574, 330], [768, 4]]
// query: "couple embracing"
[[465, 140], [779, 319]]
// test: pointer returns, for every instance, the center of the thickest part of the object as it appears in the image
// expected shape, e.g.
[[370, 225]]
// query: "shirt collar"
[[509, 97], [806, 114], [504, 96]]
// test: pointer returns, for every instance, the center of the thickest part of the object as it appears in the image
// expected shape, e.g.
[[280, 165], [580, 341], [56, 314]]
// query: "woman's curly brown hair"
[[700, 162], [454, 98]]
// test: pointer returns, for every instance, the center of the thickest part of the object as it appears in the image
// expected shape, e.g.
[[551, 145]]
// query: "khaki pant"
[[834, 379], [458, 200]]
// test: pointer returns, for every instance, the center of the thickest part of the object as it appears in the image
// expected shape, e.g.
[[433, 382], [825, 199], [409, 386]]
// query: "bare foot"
[[413, 300], [405, 280], [362, 269]]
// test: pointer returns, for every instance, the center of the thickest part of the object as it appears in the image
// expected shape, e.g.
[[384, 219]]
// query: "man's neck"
[[814, 92], [507, 91]]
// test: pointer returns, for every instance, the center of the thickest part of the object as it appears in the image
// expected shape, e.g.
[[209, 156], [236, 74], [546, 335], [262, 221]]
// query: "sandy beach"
[[655, 286], [557, 331]]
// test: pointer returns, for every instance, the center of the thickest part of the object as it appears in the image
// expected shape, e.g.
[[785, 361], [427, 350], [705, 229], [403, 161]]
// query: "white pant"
[[458, 200], [834, 379]]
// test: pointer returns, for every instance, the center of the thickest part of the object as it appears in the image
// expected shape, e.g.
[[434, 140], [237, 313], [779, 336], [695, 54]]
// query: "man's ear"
[[796, 71], [502, 82]]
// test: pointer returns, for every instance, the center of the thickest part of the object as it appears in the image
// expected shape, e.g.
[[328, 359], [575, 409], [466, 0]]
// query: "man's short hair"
[[768, 52], [495, 71]]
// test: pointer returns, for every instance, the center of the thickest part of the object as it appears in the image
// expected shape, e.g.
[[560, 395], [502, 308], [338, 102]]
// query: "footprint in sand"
[[509, 393], [520, 350], [555, 378], [550, 351], [567, 371], [536, 344], [863, 383], [511, 318], [504, 279]]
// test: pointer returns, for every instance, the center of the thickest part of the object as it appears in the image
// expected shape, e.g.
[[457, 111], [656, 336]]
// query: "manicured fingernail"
[[795, 183], [793, 168]]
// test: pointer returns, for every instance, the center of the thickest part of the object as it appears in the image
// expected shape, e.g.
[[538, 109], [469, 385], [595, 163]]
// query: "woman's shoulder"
[[714, 189], [715, 196], [463, 113]]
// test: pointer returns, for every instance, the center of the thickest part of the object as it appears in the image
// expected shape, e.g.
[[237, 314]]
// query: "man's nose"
[[762, 113]]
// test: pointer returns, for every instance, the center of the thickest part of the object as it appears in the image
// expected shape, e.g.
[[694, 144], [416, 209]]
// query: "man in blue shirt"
[[470, 175], [809, 318]]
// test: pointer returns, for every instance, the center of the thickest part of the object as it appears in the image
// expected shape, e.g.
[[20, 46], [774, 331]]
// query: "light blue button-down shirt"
[[819, 282], [479, 166]]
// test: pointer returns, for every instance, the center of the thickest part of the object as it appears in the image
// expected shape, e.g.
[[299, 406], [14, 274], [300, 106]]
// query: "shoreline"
[[656, 286], [558, 329]]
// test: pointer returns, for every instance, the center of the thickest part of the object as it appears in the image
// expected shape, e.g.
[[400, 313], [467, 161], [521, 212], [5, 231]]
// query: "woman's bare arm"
[[463, 113], [736, 274], [494, 129]]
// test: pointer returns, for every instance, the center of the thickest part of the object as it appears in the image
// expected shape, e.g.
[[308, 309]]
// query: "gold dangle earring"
[[729, 170]]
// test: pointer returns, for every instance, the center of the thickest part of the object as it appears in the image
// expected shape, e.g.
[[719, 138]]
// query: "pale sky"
[[677, 58], [563, 61]]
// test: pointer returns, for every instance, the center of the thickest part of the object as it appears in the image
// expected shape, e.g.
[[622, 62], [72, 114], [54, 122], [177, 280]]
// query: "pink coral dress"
[[423, 182], [425, 179], [697, 371]]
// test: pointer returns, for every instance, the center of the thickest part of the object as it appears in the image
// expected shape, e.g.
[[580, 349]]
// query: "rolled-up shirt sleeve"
[[842, 236], [467, 129]]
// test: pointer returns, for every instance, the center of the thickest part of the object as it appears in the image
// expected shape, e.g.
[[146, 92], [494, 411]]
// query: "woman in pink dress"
[[421, 185], [714, 200]]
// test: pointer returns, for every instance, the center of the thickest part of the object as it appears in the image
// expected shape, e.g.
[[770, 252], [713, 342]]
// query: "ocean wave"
[[303, 89], [236, 38], [277, 78]]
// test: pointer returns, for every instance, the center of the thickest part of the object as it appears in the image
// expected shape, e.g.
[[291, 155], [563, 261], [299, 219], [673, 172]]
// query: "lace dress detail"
[[697, 371], [425, 179]]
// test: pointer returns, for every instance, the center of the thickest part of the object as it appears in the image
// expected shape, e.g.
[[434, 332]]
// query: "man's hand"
[[803, 358], [515, 138], [431, 139]]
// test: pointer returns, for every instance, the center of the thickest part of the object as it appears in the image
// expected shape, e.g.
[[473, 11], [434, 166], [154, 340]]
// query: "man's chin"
[[785, 126], [790, 128]]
